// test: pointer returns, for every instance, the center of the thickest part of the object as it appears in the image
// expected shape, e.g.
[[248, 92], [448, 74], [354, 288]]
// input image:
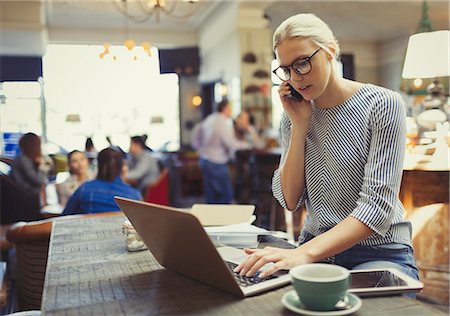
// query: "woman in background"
[[79, 173], [30, 169], [97, 196]]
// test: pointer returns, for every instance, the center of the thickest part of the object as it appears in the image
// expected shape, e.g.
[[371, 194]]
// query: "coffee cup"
[[320, 286]]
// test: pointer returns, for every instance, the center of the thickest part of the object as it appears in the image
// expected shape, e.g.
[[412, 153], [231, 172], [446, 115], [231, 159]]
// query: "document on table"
[[219, 214], [242, 235]]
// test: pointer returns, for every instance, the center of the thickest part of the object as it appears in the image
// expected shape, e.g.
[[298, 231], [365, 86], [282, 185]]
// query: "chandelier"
[[140, 11], [131, 49]]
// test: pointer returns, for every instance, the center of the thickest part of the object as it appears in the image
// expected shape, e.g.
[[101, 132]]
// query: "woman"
[[29, 168], [97, 196], [343, 156], [79, 173]]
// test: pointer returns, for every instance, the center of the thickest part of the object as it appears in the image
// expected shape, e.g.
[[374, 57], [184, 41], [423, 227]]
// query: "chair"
[[17, 204], [158, 191], [265, 164], [189, 174], [243, 177], [31, 240], [31, 243]]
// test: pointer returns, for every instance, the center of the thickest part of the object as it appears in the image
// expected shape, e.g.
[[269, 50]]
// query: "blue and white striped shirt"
[[353, 165]]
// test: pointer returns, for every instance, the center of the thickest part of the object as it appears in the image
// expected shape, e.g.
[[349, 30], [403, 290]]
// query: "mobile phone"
[[295, 94]]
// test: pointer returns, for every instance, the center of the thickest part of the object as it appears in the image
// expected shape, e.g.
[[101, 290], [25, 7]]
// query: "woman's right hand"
[[299, 112]]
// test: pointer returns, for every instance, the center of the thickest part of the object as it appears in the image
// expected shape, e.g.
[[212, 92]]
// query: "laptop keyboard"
[[247, 281]]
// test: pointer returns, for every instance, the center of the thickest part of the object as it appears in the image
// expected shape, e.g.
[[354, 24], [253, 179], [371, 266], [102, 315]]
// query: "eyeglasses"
[[300, 66]]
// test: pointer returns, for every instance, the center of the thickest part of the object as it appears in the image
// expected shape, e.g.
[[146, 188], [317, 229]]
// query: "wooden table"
[[90, 272]]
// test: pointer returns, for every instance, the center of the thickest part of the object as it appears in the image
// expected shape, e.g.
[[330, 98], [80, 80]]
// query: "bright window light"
[[21, 90], [115, 98]]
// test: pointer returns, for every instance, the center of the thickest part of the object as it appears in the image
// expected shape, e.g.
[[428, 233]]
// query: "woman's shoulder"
[[21, 159], [21, 164], [92, 185], [385, 105], [378, 94], [127, 189]]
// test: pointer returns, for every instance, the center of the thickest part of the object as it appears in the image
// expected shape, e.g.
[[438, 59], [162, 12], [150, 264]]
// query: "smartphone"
[[295, 94]]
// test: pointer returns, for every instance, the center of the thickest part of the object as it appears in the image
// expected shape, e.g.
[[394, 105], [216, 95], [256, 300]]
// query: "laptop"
[[179, 243]]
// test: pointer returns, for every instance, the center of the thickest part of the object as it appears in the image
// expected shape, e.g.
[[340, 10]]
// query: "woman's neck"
[[337, 91]]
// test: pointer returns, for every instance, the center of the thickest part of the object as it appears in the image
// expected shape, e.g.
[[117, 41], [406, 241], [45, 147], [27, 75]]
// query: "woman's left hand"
[[283, 259]]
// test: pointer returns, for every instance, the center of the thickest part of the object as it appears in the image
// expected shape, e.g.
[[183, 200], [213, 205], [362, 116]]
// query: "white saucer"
[[290, 301]]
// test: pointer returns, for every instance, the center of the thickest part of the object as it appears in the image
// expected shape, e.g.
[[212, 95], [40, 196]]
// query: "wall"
[[391, 55], [189, 114], [22, 28], [379, 63], [161, 39], [365, 59], [227, 35], [218, 41], [258, 42]]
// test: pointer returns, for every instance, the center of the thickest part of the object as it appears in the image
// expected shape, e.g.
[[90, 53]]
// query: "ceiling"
[[366, 20], [103, 14], [350, 20]]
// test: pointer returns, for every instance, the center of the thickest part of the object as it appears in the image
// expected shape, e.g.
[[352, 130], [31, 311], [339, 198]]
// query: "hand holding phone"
[[295, 94]]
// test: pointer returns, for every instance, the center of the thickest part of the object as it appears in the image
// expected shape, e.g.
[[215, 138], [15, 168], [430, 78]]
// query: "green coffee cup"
[[320, 286]]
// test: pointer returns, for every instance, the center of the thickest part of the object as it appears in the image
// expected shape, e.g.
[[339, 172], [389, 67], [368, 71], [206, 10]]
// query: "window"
[[88, 96], [20, 110]]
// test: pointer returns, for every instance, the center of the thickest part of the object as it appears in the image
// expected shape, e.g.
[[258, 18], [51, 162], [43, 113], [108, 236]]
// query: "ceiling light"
[[140, 11]]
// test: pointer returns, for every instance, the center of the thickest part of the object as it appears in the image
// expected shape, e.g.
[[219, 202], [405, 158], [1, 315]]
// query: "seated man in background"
[[142, 166], [97, 196], [79, 173]]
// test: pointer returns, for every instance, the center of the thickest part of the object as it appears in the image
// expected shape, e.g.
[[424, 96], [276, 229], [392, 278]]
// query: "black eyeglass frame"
[[297, 71]]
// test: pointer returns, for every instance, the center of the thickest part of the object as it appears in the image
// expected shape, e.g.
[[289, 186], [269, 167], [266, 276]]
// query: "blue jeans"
[[216, 182], [393, 255]]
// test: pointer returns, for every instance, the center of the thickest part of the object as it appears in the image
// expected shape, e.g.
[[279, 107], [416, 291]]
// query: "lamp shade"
[[427, 55]]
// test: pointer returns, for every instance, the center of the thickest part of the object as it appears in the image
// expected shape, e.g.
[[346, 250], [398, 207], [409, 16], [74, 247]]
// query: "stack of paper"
[[229, 225], [243, 235], [222, 214]]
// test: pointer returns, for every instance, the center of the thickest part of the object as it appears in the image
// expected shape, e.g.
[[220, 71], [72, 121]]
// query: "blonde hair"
[[307, 25]]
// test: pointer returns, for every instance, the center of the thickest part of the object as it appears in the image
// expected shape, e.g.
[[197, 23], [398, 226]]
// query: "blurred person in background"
[[79, 173], [143, 168], [245, 130], [216, 142], [30, 169], [97, 196], [91, 154]]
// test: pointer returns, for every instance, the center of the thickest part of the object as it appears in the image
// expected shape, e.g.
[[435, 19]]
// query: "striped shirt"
[[354, 156]]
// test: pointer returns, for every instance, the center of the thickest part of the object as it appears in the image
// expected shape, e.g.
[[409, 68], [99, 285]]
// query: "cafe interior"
[[75, 72]]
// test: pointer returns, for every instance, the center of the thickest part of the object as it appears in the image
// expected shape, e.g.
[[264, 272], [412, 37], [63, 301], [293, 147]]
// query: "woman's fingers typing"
[[258, 258]]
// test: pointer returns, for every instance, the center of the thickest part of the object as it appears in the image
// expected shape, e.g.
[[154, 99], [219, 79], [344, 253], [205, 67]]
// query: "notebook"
[[222, 214], [179, 242]]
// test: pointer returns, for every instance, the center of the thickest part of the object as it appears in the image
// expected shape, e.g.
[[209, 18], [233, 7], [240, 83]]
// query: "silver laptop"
[[179, 243]]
